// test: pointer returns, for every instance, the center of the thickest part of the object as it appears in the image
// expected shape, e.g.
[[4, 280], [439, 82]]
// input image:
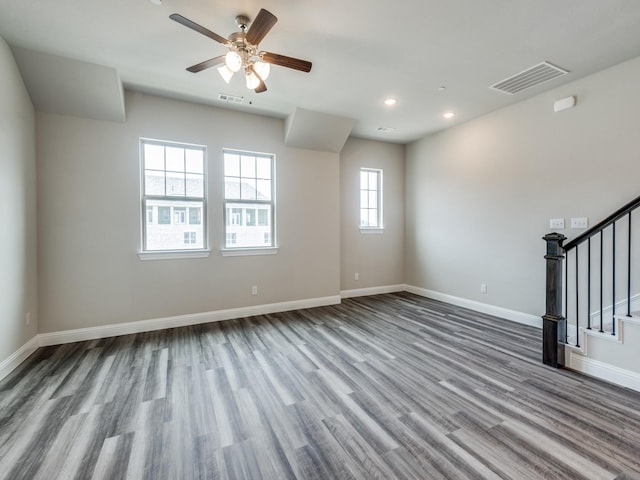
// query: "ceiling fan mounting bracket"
[[243, 22]]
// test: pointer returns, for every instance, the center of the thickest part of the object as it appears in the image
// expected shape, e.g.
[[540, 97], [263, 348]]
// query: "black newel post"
[[554, 325]]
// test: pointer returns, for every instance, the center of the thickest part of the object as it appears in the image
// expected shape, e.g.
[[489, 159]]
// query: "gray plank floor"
[[383, 387]]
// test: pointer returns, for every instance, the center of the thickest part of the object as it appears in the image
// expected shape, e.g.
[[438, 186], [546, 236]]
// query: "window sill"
[[238, 252], [173, 254], [371, 230]]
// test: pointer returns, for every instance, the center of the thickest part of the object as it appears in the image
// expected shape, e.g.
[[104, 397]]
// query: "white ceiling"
[[362, 51]]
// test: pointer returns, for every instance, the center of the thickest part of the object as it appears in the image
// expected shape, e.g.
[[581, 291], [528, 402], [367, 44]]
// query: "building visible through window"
[[173, 196], [249, 199]]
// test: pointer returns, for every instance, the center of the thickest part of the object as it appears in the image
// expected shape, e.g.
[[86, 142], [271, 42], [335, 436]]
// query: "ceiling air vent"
[[529, 78], [230, 98], [385, 129]]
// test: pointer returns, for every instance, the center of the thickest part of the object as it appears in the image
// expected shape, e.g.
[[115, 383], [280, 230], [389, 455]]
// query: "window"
[[249, 195], [234, 216], [250, 215], [195, 216], [370, 198], [173, 185], [164, 215], [263, 217], [179, 215]]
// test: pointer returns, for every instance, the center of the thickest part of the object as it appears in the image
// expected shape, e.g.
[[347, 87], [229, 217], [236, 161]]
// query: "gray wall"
[[479, 196], [89, 197], [377, 258], [18, 266]]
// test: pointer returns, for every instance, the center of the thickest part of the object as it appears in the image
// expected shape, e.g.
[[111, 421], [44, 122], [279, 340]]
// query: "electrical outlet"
[[254, 290], [483, 288], [356, 276], [28, 318]]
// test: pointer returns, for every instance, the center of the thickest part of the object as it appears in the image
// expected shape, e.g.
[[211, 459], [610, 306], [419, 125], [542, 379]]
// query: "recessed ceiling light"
[[390, 101], [448, 115]]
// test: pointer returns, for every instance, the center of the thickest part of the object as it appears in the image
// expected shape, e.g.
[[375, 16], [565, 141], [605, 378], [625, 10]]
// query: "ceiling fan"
[[243, 50]]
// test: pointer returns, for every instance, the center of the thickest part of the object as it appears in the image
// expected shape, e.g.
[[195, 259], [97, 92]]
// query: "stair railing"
[[583, 275]]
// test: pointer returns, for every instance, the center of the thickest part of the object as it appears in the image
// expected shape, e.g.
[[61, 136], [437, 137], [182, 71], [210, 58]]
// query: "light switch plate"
[[556, 223], [579, 222]]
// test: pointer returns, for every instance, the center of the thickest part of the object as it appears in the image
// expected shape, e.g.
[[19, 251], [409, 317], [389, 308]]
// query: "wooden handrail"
[[617, 215]]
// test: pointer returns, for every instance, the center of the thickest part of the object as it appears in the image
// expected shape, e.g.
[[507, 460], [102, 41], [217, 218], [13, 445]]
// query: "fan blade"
[[261, 26], [198, 28], [212, 62], [284, 61]]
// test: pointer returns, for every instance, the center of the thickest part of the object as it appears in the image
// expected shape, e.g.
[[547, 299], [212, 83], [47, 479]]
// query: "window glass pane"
[[264, 189], [373, 180], [247, 166], [373, 200], [195, 185], [232, 188], [248, 189], [231, 165], [364, 199], [194, 161], [250, 223], [373, 218], [263, 167], [153, 156], [173, 232], [175, 184], [364, 217], [175, 159], [149, 214], [153, 183]]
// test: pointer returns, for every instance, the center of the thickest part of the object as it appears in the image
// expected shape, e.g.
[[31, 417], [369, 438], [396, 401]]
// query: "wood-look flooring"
[[386, 387]]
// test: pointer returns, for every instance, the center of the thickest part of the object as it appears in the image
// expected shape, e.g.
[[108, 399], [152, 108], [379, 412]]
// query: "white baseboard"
[[17, 357], [363, 292], [603, 371], [93, 333], [104, 331], [513, 315]]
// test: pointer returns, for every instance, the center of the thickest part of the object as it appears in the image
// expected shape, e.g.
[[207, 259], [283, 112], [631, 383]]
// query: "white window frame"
[[379, 228], [178, 252], [228, 203]]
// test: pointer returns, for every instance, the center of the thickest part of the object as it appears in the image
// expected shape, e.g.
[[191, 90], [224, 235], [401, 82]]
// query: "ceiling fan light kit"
[[243, 51]]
